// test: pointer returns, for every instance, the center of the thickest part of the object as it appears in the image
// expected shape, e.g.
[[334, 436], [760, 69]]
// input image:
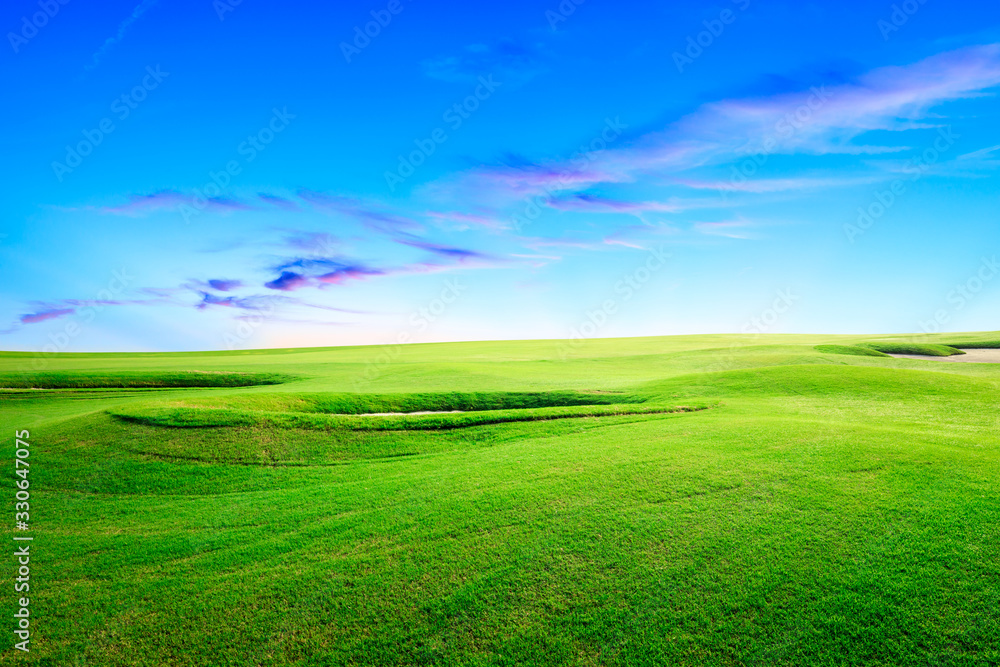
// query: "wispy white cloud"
[[765, 185], [733, 229], [982, 158], [819, 121]]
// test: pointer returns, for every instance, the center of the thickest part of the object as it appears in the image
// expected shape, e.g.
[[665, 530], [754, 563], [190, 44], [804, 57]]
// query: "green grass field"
[[693, 500]]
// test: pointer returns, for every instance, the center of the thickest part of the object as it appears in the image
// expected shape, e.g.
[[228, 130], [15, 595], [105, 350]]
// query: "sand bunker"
[[986, 356]]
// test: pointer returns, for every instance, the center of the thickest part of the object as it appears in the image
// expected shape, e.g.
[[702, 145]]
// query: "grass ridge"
[[138, 380], [227, 417], [851, 350]]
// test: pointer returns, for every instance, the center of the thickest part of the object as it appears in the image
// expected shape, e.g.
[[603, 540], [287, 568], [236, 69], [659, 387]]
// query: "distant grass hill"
[[137, 380]]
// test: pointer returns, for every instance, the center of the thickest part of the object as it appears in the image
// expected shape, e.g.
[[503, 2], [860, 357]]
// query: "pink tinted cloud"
[[224, 285], [288, 281], [499, 187], [41, 316], [439, 249], [463, 264], [339, 276], [367, 214], [465, 220], [828, 120], [594, 204], [170, 200], [280, 202]]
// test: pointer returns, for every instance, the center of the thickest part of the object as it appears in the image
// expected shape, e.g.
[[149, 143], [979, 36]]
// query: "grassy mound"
[[928, 350], [325, 428], [350, 411], [132, 380], [279, 442], [852, 350], [357, 404], [976, 345]]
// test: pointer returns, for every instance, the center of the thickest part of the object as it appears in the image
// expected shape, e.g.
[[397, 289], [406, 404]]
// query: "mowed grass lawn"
[[816, 509]]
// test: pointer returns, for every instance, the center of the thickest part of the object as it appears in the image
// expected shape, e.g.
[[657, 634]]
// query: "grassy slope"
[[832, 509], [852, 350]]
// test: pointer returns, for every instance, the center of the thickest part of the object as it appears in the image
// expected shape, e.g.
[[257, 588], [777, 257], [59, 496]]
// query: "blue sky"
[[210, 175]]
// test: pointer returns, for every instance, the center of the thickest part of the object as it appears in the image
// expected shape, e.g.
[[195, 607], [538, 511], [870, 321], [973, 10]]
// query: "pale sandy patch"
[[985, 356]]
